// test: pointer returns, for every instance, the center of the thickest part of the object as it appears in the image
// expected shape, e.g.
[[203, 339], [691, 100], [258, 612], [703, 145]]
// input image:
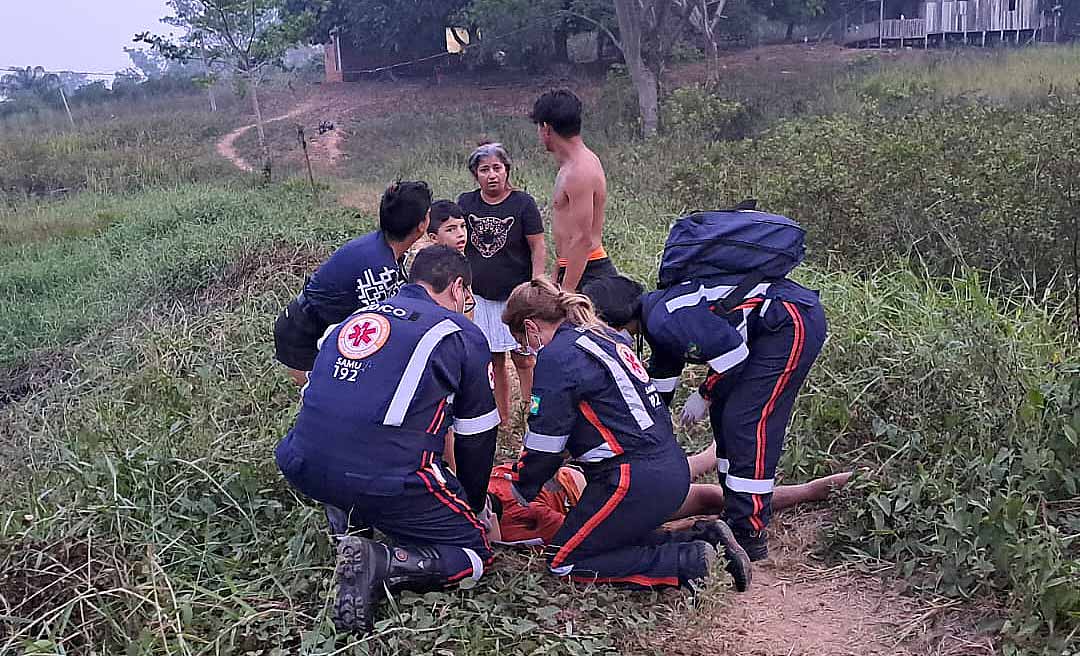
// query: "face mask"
[[464, 299], [528, 345]]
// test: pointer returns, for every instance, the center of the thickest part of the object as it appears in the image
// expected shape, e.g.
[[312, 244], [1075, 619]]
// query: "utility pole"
[[67, 108], [881, 25]]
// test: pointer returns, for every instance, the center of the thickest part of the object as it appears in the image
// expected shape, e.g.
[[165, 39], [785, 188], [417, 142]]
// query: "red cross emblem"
[[363, 335], [632, 363]]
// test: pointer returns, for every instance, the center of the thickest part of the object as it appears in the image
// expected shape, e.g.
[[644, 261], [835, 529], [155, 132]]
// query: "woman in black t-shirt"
[[505, 248]]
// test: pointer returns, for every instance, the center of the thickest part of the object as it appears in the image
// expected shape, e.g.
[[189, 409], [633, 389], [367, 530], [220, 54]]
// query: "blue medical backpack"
[[741, 240]]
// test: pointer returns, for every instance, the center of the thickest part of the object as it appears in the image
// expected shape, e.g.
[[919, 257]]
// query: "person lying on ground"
[[538, 522], [387, 383], [365, 271], [505, 248], [759, 353], [592, 398]]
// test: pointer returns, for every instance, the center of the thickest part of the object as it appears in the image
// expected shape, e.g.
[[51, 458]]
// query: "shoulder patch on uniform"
[[632, 363], [534, 405], [363, 335]]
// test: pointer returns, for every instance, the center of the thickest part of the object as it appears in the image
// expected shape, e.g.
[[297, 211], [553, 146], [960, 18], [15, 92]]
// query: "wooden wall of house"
[[981, 15]]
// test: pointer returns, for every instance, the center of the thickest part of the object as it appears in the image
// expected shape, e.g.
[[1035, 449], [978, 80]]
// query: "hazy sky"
[[81, 35]]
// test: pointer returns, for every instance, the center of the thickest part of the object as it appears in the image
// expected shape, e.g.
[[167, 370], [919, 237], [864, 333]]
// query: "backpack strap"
[[737, 295], [748, 204]]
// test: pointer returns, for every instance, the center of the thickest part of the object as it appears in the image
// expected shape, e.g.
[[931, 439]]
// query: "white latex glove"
[[695, 410]]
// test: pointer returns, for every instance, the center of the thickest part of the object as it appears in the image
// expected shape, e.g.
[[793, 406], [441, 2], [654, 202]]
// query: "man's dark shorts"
[[296, 336], [594, 270]]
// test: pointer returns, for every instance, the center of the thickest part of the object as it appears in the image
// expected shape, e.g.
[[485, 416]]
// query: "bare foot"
[[823, 487]]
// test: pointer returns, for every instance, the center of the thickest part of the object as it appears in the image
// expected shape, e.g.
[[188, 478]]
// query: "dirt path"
[[325, 148], [798, 607], [226, 147]]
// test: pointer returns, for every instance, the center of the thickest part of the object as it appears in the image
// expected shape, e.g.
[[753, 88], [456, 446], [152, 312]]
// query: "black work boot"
[[756, 543], [719, 535], [415, 569], [698, 556], [365, 566], [362, 566]]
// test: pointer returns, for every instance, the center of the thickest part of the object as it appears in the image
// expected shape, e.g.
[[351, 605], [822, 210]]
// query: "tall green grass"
[[147, 517], [157, 246], [110, 155], [154, 521], [1014, 77]]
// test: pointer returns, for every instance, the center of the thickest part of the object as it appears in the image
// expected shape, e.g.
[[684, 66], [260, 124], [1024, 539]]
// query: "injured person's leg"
[[708, 499]]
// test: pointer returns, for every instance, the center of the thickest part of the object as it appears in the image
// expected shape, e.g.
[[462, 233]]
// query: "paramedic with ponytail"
[[593, 399], [387, 383], [725, 302]]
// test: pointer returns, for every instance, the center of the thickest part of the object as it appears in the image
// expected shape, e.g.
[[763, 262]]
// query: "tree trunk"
[[790, 31], [268, 166], [213, 99], [560, 49], [645, 82], [708, 28]]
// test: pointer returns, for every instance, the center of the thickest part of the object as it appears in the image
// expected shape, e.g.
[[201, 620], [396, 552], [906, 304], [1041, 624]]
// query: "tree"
[[539, 29], [705, 16], [150, 64], [31, 82], [249, 37], [406, 30], [791, 12], [648, 29]]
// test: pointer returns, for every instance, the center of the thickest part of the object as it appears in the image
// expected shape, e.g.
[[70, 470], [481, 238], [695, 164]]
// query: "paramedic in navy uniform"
[[387, 383], [758, 354], [592, 398], [366, 270]]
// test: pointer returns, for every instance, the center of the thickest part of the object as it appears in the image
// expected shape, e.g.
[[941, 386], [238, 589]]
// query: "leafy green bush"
[[959, 186], [966, 411], [616, 113], [695, 112]]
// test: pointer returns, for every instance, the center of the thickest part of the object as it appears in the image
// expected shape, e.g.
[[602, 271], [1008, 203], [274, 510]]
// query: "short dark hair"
[[439, 266], [441, 210], [560, 109], [403, 207], [617, 299]]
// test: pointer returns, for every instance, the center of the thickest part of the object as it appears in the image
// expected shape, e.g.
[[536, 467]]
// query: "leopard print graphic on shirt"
[[488, 234]]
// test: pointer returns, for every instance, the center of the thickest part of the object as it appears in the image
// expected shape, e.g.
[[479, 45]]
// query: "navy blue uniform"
[[358, 274], [388, 382], [759, 354], [593, 398]]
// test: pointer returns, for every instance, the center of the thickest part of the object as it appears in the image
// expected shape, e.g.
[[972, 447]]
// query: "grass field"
[[141, 510]]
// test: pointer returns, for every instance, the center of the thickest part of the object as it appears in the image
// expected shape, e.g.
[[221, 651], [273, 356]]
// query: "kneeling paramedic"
[[592, 397], [387, 383], [731, 308], [365, 270]]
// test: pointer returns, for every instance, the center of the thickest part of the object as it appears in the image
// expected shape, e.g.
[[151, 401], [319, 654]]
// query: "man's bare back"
[[577, 220]]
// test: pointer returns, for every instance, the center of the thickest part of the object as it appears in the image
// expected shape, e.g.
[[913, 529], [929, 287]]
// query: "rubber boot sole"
[[738, 562], [359, 585]]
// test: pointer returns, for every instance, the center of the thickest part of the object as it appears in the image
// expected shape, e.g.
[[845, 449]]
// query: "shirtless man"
[[577, 221]]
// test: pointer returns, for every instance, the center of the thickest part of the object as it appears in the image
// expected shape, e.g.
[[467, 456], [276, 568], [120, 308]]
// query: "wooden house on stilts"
[[888, 23]]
